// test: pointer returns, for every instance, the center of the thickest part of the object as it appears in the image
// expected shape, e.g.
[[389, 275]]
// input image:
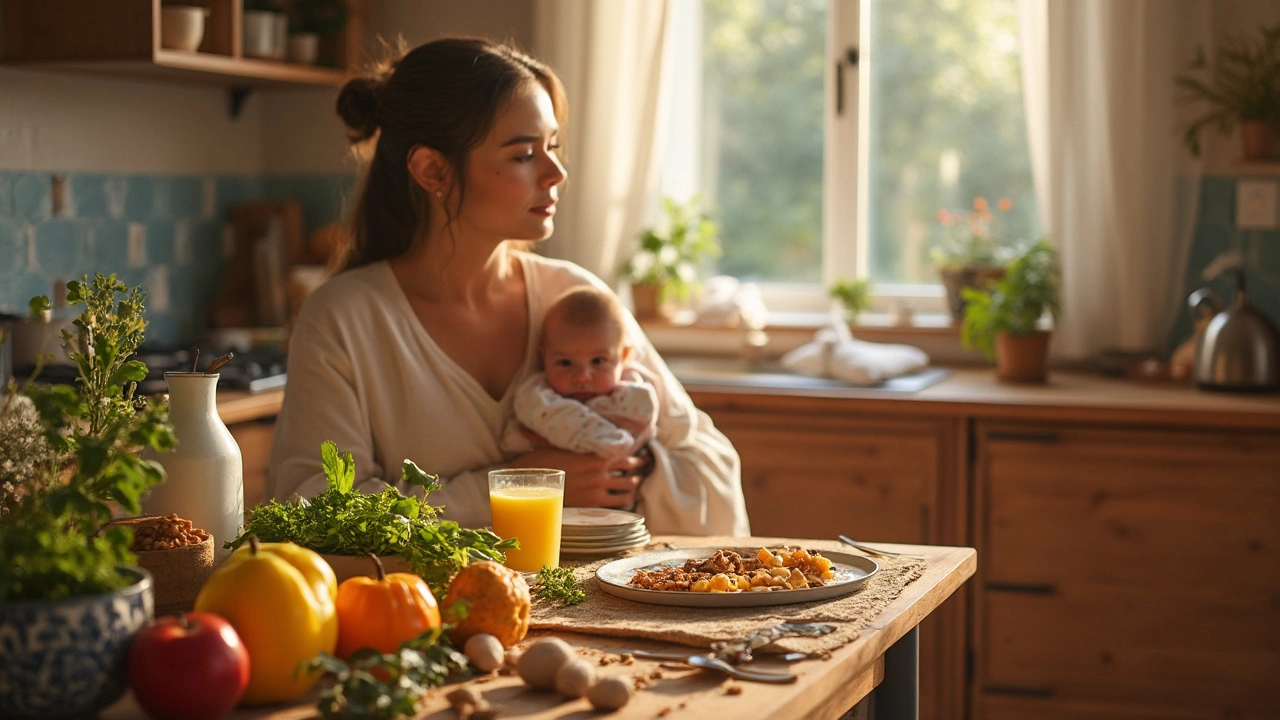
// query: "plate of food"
[[735, 577]]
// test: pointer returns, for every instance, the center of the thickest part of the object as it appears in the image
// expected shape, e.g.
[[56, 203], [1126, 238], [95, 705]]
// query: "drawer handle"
[[1041, 692], [1023, 589], [1044, 438]]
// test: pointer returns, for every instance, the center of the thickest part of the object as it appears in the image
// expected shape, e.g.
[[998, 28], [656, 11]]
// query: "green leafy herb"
[[560, 585], [390, 685], [51, 542], [344, 521]]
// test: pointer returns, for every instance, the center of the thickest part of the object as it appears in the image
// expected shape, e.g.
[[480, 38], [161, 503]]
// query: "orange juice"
[[531, 514]]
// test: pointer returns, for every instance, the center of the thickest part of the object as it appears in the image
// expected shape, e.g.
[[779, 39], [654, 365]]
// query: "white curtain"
[[1117, 192], [609, 55]]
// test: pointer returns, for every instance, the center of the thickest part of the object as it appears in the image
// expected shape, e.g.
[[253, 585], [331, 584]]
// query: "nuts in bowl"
[[178, 556]]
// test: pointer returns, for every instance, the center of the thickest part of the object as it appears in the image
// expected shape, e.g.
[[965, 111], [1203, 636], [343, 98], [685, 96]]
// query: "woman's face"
[[513, 174]]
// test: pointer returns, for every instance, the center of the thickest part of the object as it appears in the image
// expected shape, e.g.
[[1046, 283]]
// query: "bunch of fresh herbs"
[[559, 584], [388, 685], [344, 521], [52, 542]]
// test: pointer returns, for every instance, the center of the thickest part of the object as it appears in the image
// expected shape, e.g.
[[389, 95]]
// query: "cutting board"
[[237, 301]]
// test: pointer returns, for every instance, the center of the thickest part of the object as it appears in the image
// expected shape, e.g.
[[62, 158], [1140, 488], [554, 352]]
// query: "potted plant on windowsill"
[[1003, 321], [971, 251], [1242, 85], [854, 296], [664, 267], [71, 454]]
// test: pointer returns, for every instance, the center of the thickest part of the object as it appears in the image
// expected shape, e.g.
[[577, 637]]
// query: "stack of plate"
[[600, 531]]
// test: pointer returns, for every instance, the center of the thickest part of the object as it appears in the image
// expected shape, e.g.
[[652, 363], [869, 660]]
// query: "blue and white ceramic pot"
[[68, 658]]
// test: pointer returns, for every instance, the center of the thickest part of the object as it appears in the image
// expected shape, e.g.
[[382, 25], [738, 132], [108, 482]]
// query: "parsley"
[[344, 521], [390, 685], [559, 584]]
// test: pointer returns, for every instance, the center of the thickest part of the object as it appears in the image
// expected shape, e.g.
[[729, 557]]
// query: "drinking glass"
[[527, 503]]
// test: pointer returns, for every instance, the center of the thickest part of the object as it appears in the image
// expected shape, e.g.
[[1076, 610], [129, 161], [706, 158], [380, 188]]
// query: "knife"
[[708, 662]]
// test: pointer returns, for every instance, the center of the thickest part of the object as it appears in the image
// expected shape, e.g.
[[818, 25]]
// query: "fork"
[[868, 549]]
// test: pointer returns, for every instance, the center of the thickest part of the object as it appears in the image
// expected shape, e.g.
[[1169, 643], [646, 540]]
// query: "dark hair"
[[445, 95], [587, 307]]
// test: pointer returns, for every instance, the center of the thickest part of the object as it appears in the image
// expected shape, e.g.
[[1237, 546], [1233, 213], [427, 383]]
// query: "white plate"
[[599, 521], [851, 573], [600, 550], [627, 537]]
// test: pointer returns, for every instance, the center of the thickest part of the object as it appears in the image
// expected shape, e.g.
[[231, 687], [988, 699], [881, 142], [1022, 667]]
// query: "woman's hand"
[[588, 480]]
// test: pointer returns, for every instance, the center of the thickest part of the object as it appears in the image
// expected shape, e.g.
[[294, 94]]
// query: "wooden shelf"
[[67, 35]]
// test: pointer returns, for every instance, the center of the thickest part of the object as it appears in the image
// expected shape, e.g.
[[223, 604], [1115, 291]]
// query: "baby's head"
[[584, 343]]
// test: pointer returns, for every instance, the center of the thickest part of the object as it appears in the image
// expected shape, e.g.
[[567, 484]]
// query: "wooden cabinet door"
[[254, 438], [1127, 572]]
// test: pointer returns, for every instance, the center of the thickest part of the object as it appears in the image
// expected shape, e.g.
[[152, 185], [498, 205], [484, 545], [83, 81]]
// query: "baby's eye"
[[599, 361], [563, 362]]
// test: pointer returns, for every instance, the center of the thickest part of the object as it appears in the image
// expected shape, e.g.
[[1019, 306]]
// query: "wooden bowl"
[[349, 566], [178, 573]]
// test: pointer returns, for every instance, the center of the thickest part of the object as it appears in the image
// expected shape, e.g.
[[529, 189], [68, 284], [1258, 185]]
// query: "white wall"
[[63, 122]]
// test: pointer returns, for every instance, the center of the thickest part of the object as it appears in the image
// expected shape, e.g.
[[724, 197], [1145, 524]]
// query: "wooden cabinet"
[[254, 438], [818, 468], [122, 37], [1126, 572]]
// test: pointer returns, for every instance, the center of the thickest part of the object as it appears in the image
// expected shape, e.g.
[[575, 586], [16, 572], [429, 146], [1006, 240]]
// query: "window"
[[827, 134]]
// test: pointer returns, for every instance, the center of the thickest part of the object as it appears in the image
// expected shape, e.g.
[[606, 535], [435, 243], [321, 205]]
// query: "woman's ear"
[[429, 170]]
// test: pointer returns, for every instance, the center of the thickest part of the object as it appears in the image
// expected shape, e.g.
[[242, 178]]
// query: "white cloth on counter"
[[726, 302], [365, 373], [835, 353], [583, 427]]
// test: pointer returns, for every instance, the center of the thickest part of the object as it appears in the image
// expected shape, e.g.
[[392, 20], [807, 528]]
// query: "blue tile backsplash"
[[1216, 233], [164, 232]]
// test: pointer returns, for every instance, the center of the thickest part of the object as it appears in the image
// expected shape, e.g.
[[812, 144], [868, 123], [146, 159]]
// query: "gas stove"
[[252, 371]]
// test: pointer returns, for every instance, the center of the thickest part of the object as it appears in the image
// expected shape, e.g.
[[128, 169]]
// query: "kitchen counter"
[[235, 406], [975, 392]]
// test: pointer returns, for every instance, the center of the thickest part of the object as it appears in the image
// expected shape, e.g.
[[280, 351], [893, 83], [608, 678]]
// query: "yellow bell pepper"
[[280, 599], [382, 612]]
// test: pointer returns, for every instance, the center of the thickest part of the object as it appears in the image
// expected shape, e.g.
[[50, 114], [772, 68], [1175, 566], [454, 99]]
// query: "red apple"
[[188, 667]]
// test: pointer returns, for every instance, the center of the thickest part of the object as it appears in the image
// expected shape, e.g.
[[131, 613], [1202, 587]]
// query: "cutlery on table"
[[868, 549], [707, 662]]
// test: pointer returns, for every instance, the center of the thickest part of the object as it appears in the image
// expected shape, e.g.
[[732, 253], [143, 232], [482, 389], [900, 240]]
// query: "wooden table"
[[883, 658]]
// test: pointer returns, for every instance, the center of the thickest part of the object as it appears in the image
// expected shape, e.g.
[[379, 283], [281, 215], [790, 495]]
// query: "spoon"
[[868, 549], [706, 662]]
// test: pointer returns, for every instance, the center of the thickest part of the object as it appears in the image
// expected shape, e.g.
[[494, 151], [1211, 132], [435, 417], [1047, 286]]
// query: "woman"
[[414, 351]]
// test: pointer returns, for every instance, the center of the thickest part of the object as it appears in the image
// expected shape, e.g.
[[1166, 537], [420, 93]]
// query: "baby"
[[587, 399]]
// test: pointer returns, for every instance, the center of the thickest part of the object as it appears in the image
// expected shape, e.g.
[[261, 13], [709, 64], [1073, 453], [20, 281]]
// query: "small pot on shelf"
[[1257, 140], [646, 298]]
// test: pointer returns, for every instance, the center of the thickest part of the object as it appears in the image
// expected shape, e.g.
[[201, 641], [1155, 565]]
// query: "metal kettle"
[[1239, 350]]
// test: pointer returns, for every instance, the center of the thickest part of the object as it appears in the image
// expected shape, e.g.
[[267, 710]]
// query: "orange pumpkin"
[[381, 613], [497, 602]]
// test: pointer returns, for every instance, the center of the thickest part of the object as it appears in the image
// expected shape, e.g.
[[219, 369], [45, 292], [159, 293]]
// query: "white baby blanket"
[[835, 353]]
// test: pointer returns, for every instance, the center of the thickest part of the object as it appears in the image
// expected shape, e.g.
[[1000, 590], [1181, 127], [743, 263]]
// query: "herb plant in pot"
[[664, 267], [971, 251], [1003, 321], [1242, 85], [71, 598], [854, 297]]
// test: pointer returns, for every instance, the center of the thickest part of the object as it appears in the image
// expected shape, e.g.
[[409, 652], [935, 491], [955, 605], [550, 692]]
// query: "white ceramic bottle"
[[204, 472]]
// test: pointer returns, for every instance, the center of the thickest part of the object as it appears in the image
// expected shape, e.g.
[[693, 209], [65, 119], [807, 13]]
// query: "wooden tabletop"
[[825, 688]]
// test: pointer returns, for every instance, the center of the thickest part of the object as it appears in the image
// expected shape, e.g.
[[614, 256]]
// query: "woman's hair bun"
[[358, 107]]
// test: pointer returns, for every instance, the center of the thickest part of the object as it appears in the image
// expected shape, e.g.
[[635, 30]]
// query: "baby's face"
[[583, 362]]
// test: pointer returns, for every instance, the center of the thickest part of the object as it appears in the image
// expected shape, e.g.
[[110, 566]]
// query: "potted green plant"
[[314, 26], [1003, 321], [1242, 85], [66, 570], [971, 250], [854, 297], [665, 265]]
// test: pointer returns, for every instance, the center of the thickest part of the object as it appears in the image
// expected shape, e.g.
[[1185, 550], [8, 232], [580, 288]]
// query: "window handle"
[[850, 57]]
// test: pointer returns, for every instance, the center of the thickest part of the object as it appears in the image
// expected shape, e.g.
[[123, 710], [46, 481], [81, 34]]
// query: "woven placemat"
[[605, 614]]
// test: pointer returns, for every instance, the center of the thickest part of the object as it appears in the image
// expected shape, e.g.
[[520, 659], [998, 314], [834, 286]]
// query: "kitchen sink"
[[771, 374]]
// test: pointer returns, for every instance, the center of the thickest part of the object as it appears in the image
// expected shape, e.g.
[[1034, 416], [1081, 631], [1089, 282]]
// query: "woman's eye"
[[525, 158]]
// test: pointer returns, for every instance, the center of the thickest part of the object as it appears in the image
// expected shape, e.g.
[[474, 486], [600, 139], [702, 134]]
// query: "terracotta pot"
[[954, 279], [1022, 358], [647, 301], [1257, 139]]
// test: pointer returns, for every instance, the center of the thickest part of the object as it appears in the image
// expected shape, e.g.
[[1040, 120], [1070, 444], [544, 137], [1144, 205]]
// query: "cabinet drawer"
[[1204, 644], [1131, 506], [806, 478]]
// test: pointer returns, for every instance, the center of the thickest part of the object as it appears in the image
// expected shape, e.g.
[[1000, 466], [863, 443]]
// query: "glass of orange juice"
[[527, 504]]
